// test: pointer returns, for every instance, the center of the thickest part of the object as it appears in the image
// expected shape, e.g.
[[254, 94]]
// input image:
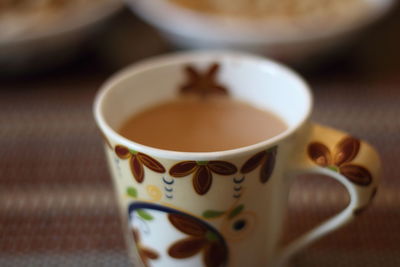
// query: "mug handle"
[[351, 162]]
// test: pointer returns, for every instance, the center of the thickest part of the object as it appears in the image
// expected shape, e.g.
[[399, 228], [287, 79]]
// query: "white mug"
[[224, 208]]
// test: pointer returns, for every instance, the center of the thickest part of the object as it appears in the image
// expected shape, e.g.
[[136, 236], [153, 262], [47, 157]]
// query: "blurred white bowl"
[[54, 43], [187, 28]]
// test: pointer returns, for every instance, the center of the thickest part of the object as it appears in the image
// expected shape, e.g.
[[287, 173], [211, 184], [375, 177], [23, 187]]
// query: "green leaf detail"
[[210, 236], [333, 168], [236, 211], [201, 162], [133, 152], [132, 192], [209, 214], [144, 215]]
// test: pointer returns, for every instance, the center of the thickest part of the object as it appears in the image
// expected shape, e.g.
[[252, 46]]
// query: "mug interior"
[[260, 82]]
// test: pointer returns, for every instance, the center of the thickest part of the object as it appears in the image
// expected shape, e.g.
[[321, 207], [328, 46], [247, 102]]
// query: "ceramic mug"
[[224, 208]]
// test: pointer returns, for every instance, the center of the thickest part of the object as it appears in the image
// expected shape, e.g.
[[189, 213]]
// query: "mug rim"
[[180, 57]]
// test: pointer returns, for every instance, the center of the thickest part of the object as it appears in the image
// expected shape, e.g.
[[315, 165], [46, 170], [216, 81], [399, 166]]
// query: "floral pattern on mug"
[[145, 253], [202, 178], [237, 222], [201, 240], [203, 84], [136, 162], [265, 159], [340, 161]]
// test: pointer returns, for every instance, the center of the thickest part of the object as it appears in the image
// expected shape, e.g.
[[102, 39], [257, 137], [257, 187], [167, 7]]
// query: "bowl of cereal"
[[291, 30], [37, 32]]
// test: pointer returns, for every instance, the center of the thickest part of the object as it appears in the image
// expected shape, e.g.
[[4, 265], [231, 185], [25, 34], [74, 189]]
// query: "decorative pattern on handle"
[[340, 161], [348, 157], [351, 162]]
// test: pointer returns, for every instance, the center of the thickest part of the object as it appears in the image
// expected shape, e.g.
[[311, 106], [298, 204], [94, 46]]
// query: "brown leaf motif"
[[137, 169], [183, 169], [151, 163], [186, 248], [145, 253], [122, 152], [357, 174], [137, 161], [345, 152], [265, 159], [203, 84], [319, 153], [201, 239], [214, 255], [222, 167], [268, 166], [202, 172], [202, 180], [253, 162], [187, 225]]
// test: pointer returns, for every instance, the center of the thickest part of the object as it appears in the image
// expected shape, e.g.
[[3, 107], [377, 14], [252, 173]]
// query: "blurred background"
[[57, 206]]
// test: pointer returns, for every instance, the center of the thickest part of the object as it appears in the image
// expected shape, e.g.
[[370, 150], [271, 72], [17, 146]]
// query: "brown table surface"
[[57, 206]]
